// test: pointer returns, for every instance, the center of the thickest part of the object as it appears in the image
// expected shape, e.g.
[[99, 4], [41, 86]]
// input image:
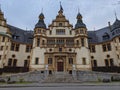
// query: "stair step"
[[60, 77]]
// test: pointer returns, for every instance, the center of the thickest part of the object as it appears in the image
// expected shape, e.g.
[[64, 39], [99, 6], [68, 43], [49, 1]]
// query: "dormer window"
[[106, 36], [113, 33]]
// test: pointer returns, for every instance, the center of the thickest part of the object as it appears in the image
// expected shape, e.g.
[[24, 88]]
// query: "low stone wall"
[[35, 76], [95, 76], [80, 76]]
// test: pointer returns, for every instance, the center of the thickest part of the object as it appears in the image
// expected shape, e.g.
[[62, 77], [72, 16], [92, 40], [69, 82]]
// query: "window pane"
[[111, 62], [36, 61], [15, 63], [49, 60], [84, 61], [10, 62], [70, 60], [106, 62]]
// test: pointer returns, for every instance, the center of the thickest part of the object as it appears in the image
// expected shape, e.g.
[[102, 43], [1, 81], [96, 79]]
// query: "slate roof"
[[41, 23], [116, 24], [22, 36], [98, 36], [79, 23]]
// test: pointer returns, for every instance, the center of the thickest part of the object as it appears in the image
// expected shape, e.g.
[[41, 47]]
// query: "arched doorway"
[[60, 66]]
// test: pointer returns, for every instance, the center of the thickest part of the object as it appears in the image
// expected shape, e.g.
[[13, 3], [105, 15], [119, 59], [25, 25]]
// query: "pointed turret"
[[79, 23], [41, 23], [2, 19]]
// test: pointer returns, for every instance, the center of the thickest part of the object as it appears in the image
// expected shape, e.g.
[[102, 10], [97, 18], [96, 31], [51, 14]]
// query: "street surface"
[[65, 88]]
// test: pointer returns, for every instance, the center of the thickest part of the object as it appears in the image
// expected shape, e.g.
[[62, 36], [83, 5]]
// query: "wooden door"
[[60, 66]]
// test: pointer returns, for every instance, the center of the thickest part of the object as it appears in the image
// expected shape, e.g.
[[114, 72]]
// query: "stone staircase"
[[60, 77]]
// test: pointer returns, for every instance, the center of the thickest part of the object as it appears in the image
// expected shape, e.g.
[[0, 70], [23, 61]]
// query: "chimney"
[[109, 26]]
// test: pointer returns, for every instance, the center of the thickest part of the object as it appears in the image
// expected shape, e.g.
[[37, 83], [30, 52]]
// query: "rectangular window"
[[60, 49], [50, 32], [25, 63], [92, 49], [109, 47], [84, 61], [0, 57], [1, 48], [104, 47], [3, 39], [111, 62], [60, 32], [15, 63], [70, 60], [36, 61], [106, 63], [82, 31], [119, 39], [17, 47], [94, 63], [28, 48], [38, 42], [10, 62], [70, 32], [82, 42], [49, 60], [12, 46], [118, 56], [77, 42]]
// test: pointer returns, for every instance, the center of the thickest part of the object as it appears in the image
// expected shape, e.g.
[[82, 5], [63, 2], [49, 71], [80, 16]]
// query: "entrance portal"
[[60, 66]]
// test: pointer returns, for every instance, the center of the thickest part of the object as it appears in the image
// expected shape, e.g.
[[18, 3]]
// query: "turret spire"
[[79, 23], [41, 23], [61, 9]]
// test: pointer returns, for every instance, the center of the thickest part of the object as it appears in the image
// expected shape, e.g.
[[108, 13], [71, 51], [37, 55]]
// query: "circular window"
[[28, 57], [13, 56], [92, 57], [50, 50], [108, 56]]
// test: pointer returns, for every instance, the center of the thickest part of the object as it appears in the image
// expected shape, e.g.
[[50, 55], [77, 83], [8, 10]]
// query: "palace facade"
[[60, 47]]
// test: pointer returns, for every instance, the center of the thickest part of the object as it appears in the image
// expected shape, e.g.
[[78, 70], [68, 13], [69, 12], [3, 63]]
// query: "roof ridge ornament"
[[42, 10], [116, 16]]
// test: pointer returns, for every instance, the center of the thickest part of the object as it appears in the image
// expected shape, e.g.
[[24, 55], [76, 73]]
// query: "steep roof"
[[22, 36]]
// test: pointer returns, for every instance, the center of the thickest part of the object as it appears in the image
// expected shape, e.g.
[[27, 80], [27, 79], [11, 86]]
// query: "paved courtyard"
[[66, 88]]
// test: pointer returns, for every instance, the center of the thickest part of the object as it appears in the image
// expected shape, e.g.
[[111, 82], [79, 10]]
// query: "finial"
[[116, 15], [61, 6], [78, 10], [42, 10]]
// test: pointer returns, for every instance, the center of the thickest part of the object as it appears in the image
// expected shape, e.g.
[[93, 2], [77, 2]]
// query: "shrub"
[[21, 80], [106, 80], [113, 78], [2, 81]]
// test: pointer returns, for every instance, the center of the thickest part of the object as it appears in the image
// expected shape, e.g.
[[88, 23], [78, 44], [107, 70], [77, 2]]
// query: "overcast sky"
[[96, 13]]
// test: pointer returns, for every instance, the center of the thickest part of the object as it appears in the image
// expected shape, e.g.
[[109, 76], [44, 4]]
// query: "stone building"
[[60, 47]]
